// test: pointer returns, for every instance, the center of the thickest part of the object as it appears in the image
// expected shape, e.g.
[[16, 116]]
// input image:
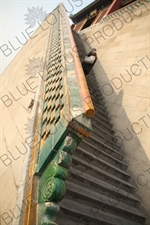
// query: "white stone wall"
[[123, 74], [17, 121]]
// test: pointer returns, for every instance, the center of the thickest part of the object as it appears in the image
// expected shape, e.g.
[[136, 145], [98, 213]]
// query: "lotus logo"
[[29, 125], [35, 15], [35, 66]]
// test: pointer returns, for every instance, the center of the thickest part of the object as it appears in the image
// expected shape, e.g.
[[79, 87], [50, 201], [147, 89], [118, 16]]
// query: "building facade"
[[78, 153]]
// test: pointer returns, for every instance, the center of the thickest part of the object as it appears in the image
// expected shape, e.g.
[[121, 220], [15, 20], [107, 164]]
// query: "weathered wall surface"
[[19, 83], [123, 74]]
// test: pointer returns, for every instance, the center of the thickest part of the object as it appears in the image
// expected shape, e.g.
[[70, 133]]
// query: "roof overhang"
[[87, 9]]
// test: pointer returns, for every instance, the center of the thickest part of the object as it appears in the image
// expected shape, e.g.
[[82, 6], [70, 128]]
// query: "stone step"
[[92, 82], [95, 92], [101, 116], [100, 107], [105, 140], [100, 154], [108, 205], [120, 194], [87, 142], [83, 166], [102, 121], [95, 89], [98, 101], [101, 113], [97, 178], [84, 214], [91, 159], [102, 132], [103, 125]]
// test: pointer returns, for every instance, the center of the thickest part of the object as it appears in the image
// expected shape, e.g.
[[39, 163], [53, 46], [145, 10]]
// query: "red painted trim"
[[116, 4]]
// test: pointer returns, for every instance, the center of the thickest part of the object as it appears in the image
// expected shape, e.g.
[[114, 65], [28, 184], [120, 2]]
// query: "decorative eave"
[[87, 9]]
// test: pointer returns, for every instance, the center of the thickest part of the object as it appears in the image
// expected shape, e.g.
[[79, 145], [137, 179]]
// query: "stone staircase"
[[99, 191]]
